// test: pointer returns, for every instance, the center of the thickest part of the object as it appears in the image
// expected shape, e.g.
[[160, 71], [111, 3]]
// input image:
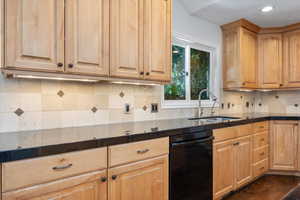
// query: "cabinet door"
[[270, 60], [1, 33], [87, 37], [223, 156], [284, 136], [126, 38], [34, 37], [291, 59], [157, 40], [243, 158], [231, 64], [146, 180], [84, 187], [249, 58]]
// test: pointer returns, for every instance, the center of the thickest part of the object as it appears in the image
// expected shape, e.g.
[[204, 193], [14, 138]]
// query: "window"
[[192, 72]]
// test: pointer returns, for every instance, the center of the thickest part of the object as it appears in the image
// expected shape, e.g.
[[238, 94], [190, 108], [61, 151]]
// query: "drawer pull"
[[143, 151], [236, 144], [262, 140], [114, 177], [58, 168], [262, 154]]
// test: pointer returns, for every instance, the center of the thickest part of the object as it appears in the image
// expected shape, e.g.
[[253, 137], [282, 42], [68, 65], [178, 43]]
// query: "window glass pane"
[[200, 62], [176, 90]]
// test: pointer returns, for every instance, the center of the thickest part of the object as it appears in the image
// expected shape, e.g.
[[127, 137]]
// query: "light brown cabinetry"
[[141, 39], [291, 58], [284, 145], [84, 187], [36, 39], [239, 58], [1, 35], [223, 157], [243, 157], [270, 60], [34, 35], [232, 155], [260, 148], [135, 171], [128, 39], [87, 37], [147, 180], [157, 40]]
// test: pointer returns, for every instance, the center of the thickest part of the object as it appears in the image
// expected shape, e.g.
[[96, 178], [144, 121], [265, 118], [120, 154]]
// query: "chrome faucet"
[[211, 96]]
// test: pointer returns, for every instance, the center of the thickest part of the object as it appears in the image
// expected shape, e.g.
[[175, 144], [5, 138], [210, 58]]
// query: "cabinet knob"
[[243, 83], [147, 73], [103, 179], [281, 85], [70, 65], [114, 177], [60, 64], [141, 73]]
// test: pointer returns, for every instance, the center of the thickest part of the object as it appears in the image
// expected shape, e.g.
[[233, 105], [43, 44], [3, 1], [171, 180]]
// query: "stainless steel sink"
[[214, 119]]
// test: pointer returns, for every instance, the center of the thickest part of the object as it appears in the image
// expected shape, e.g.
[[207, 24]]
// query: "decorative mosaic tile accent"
[[94, 109], [60, 93], [19, 112], [122, 94]]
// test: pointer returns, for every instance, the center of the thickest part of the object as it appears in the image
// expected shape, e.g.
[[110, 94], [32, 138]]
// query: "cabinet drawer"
[[261, 140], [261, 126], [126, 153], [24, 173], [260, 168], [260, 154], [232, 132]]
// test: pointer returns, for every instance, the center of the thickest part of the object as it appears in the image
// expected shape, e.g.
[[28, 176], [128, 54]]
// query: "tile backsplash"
[[36, 104]]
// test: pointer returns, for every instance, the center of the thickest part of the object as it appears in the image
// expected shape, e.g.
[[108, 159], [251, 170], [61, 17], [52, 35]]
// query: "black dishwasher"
[[191, 166]]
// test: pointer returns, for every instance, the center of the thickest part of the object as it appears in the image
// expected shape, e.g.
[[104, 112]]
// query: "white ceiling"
[[224, 11]]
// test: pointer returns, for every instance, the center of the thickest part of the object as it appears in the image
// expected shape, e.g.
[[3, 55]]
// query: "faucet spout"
[[201, 108]]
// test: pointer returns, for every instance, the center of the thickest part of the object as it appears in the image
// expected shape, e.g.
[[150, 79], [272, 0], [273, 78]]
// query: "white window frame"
[[188, 43]]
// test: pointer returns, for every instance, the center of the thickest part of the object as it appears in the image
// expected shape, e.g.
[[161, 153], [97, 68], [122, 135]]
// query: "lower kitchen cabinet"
[[243, 161], [223, 157], [144, 180], [91, 186], [233, 158], [284, 145]]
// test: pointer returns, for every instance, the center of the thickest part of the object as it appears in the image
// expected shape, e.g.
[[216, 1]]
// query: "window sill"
[[178, 105]]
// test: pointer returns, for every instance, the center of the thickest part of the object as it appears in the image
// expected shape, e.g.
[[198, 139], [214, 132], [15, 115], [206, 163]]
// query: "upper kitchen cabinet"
[[141, 39], [126, 34], [291, 59], [36, 39], [157, 40], [97, 39], [270, 60], [34, 35], [87, 37], [1, 33], [240, 47]]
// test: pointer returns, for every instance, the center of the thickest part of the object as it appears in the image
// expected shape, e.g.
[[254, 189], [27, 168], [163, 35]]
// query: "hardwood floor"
[[268, 187]]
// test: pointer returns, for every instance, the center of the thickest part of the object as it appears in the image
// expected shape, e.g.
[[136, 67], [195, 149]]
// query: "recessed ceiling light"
[[267, 9]]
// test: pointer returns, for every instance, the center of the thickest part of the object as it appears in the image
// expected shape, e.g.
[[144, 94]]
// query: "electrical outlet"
[[127, 109], [154, 107]]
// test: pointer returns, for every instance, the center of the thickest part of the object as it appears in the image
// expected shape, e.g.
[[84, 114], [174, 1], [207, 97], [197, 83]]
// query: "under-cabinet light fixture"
[[52, 78], [132, 83], [267, 9]]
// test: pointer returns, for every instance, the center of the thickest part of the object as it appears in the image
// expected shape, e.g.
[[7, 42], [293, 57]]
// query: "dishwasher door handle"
[[193, 141]]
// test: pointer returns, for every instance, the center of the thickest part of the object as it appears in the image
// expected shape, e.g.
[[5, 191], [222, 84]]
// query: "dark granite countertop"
[[30, 144]]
